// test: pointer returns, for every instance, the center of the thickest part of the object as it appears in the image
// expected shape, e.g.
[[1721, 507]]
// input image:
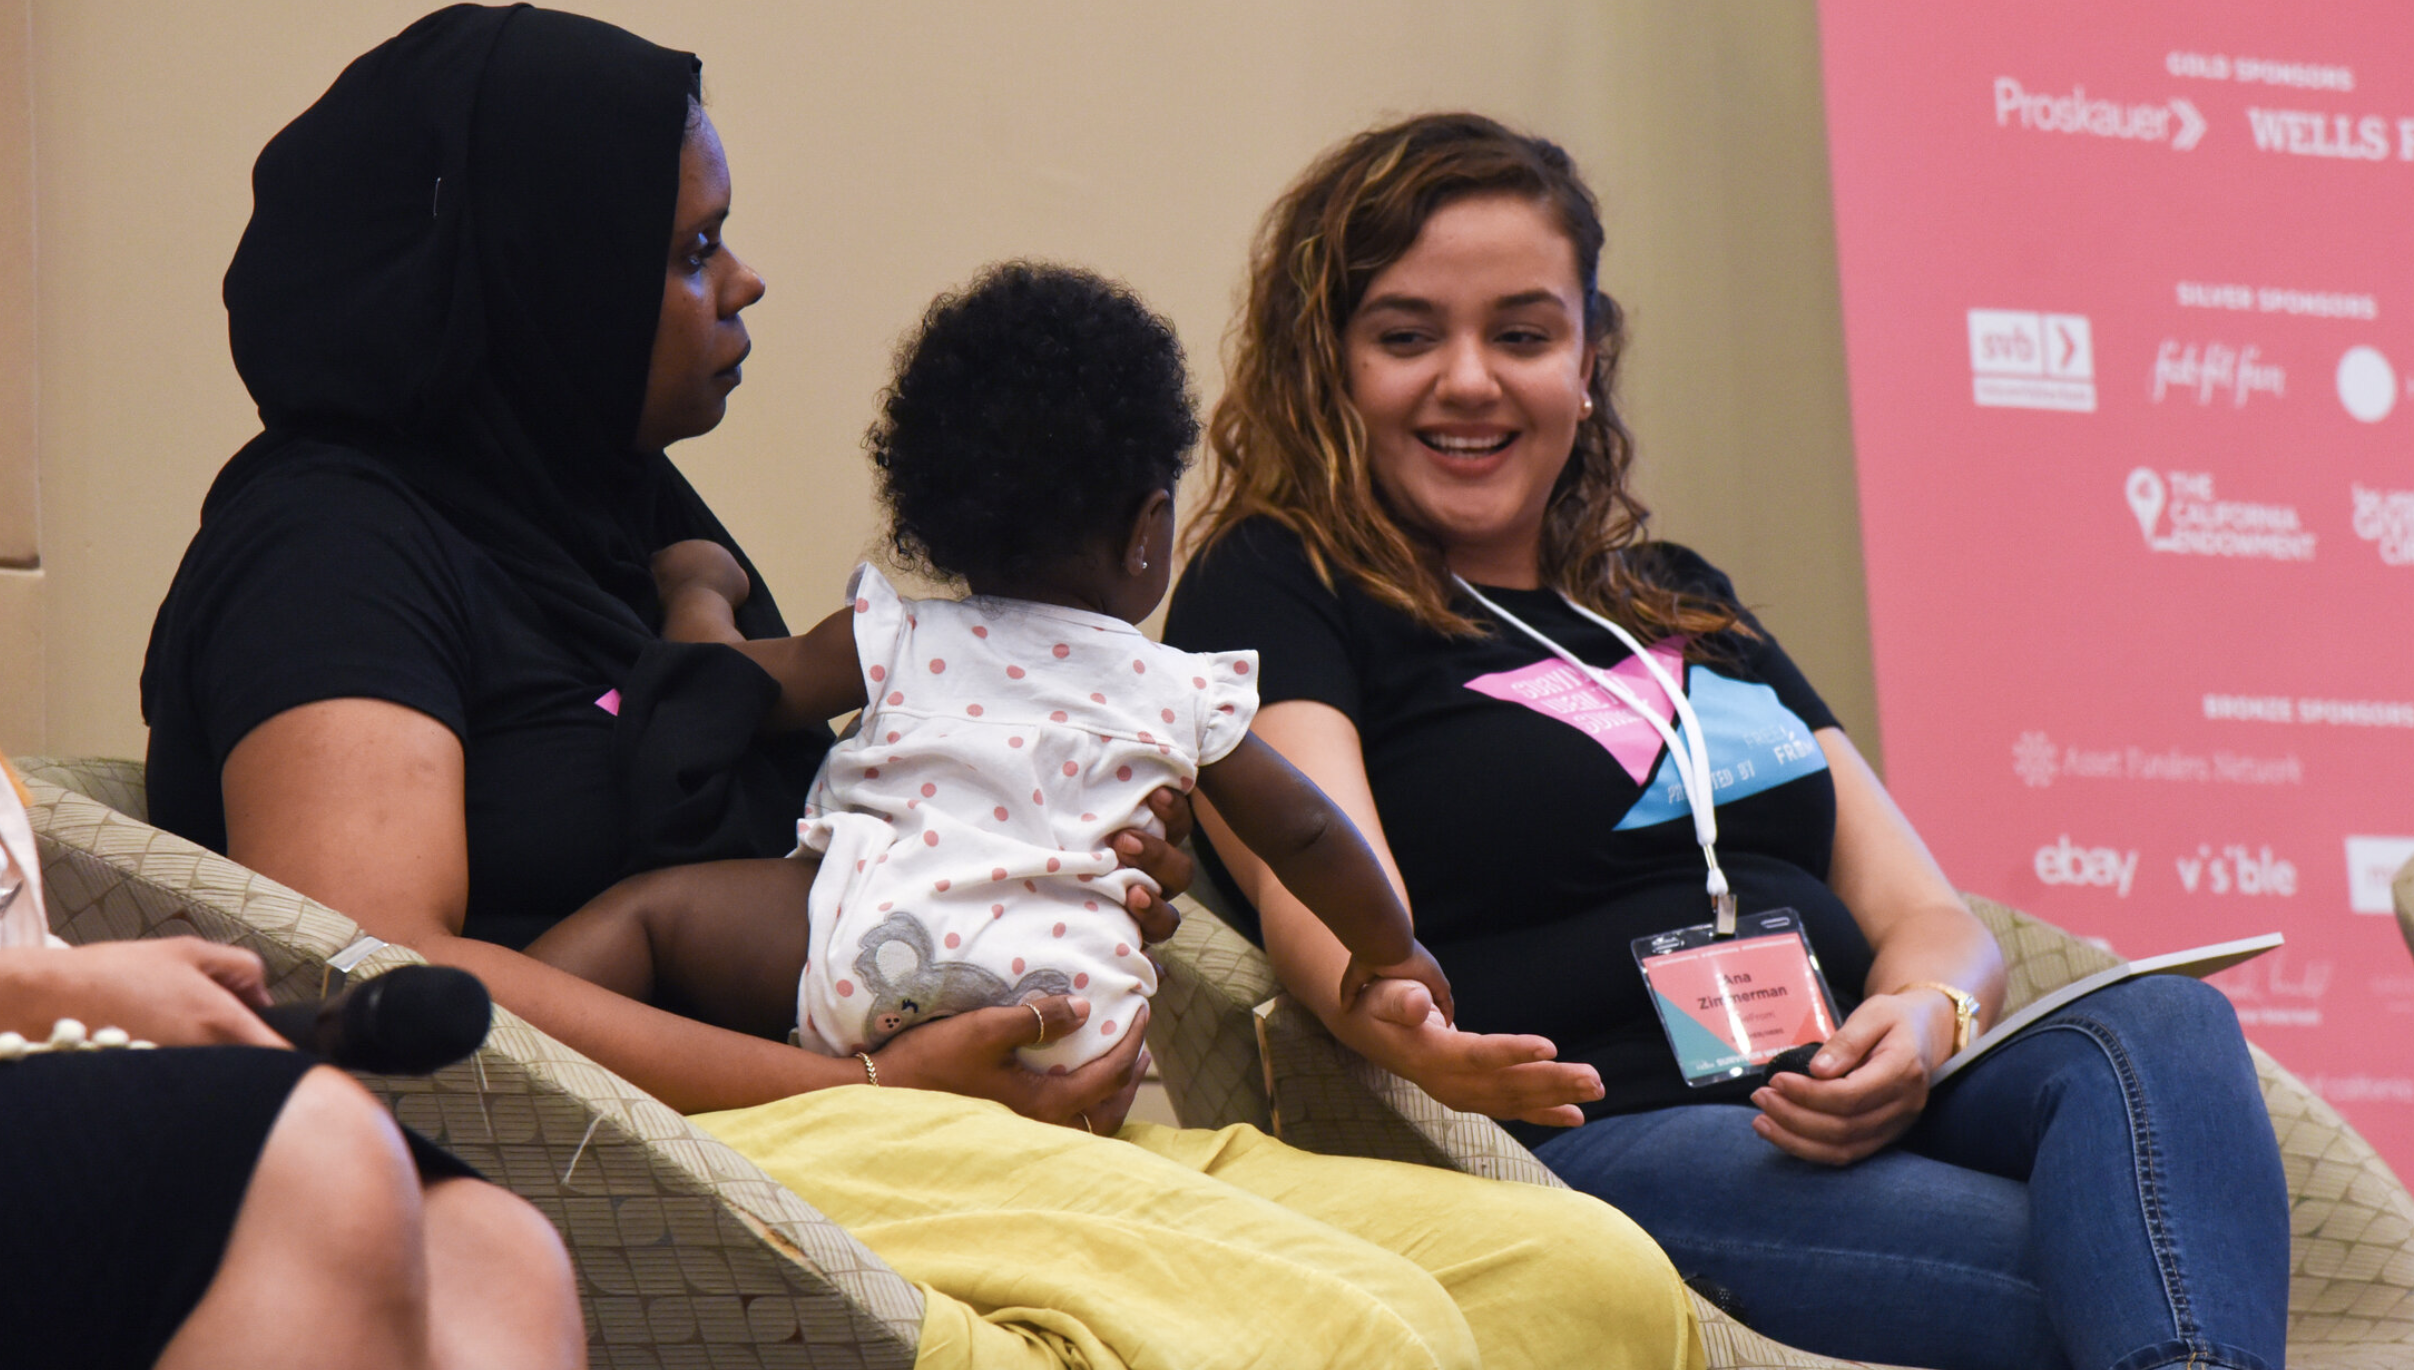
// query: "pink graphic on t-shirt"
[[1554, 688]]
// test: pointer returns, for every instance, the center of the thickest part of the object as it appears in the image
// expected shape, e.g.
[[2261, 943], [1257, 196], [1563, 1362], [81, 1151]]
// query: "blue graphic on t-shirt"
[[1756, 743]]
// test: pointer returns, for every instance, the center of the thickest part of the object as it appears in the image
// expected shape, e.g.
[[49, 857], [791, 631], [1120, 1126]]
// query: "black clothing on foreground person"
[[445, 305]]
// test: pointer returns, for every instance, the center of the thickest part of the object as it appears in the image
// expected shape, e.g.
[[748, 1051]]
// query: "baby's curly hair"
[[1032, 415]]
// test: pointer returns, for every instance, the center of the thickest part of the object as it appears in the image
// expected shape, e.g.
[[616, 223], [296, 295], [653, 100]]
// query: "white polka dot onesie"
[[963, 827]]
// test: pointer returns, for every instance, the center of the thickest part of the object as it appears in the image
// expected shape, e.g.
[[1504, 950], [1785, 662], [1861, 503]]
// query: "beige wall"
[[21, 578], [882, 153]]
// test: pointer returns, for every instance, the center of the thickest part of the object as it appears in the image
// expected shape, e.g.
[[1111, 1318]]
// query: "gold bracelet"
[[870, 1072], [1965, 1010]]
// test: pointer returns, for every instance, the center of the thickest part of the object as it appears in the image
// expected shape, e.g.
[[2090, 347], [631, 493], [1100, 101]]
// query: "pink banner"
[[2129, 310]]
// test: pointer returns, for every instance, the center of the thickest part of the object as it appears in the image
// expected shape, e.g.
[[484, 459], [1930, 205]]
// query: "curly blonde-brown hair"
[[1286, 442]]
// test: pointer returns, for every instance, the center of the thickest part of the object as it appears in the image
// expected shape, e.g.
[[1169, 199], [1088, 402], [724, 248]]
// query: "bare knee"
[[325, 1264], [501, 1289]]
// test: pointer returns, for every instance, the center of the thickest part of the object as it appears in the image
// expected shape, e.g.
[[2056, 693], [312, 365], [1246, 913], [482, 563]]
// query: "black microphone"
[[412, 1020]]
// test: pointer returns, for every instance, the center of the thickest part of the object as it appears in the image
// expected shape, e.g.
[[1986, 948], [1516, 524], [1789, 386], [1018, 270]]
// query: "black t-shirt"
[[320, 582], [1518, 810]]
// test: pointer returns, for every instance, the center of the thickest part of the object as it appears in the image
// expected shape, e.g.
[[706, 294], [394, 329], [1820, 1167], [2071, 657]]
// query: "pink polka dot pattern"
[[1014, 673], [955, 940], [846, 989], [862, 605], [1145, 737], [1071, 769], [1240, 668], [1198, 682], [893, 737], [1081, 980], [930, 839], [1039, 799], [1123, 948], [1123, 772], [938, 666], [896, 697], [1031, 885], [1018, 965], [979, 631], [1000, 813], [1057, 931], [1058, 716], [1185, 782], [929, 790], [1014, 742], [1061, 651], [973, 709], [1096, 698], [1166, 714], [1090, 904], [871, 772], [878, 674], [1139, 667], [997, 910], [1054, 865], [885, 907], [943, 886], [1107, 1028], [997, 872]]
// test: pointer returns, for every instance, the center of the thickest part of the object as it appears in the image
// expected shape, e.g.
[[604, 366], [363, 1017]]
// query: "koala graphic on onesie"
[[963, 826]]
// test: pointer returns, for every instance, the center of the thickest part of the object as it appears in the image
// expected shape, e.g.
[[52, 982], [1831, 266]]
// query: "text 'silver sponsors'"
[[2024, 359], [2179, 514], [2385, 518]]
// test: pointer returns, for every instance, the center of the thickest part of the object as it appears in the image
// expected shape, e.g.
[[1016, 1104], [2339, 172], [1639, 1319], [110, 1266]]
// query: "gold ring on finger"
[[1043, 1024]]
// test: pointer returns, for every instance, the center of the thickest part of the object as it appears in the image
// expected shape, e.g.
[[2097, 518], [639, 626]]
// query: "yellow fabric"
[[1042, 1247]]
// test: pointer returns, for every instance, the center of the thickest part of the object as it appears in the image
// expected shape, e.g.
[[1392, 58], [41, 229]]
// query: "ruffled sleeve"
[[1228, 703], [881, 624]]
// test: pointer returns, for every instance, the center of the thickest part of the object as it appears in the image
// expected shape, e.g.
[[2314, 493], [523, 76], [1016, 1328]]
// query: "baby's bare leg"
[[723, 941]]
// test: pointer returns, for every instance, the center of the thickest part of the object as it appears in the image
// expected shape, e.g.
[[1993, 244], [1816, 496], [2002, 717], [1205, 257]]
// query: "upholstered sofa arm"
[[685, 1250]]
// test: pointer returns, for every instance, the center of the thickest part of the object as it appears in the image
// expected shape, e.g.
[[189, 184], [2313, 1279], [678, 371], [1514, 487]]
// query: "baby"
[[1030, 448]]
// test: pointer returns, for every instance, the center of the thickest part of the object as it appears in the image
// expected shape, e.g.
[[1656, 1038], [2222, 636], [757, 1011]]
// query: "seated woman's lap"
[[2092, 1166], [1195, 1248]]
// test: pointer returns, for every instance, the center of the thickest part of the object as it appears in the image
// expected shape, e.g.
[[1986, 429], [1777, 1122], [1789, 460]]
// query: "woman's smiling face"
[[1469, 364]]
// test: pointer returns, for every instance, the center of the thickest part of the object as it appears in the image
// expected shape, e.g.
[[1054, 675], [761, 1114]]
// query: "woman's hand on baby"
[[1866, 1087], [175, 991], [973, 1053], [1397, 1025], [700, 565], [1162, 860], [1418, 966]]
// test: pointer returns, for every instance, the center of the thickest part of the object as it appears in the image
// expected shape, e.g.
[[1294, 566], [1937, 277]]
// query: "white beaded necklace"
[[68, 1034]]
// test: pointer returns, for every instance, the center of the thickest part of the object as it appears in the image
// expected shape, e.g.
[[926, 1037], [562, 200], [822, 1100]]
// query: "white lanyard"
[[1687, 752]]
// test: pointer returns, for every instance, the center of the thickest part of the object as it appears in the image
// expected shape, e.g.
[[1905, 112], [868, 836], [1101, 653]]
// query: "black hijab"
[[451, 280]]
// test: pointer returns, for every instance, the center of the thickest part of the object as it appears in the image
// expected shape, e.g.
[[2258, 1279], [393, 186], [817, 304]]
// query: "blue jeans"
[[2103, 1193]]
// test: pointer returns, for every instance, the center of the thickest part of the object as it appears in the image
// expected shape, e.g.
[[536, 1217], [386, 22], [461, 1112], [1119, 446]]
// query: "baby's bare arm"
[[1319, 856], [701, 585]]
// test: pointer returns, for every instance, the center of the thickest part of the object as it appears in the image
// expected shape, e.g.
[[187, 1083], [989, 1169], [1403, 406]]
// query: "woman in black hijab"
[[409, 666]]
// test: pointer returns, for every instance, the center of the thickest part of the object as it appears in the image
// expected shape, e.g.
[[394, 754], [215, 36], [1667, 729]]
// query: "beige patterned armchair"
[[1233, 1048], [687, 1254]]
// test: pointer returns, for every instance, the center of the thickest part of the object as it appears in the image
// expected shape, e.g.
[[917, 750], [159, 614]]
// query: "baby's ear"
[[1151, 537]]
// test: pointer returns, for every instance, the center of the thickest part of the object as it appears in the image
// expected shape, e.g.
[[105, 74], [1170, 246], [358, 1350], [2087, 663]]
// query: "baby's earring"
[[1588, 408]]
